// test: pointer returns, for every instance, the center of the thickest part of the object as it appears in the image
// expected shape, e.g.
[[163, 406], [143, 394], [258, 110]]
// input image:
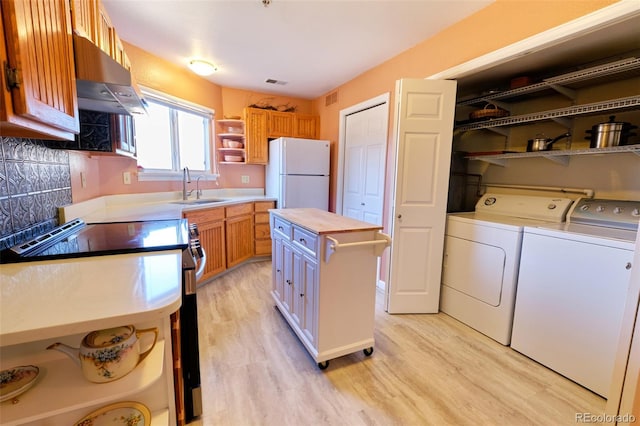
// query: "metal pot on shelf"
[[611, 133], [541, 143]]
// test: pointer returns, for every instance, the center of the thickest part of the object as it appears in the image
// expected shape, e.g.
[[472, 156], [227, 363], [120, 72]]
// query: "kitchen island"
[[63, 300], [324, 279]]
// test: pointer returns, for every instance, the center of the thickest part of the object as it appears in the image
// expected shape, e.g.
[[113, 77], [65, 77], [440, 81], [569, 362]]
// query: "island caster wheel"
[[368, 351], [323, 365]]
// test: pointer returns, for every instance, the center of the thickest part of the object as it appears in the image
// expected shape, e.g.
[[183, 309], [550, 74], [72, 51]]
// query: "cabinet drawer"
[[204, 216], [283, 227], [239, 209], [305, 239], [263, 206], [263, 247], [261, 218], [262, 231]]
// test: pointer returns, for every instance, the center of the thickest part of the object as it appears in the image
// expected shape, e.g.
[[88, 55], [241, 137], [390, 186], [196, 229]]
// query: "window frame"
[[175, 104]]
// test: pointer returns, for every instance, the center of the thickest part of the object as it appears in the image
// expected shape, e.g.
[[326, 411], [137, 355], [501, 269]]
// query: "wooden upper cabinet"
[[91, 21], [117, 50], [84, 15], [104, 31], [256, 140], [39, 88], [262, 124], [306, 126], [280, 124]]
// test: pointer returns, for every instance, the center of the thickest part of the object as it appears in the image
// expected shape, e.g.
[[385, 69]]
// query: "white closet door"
[[423, 129]]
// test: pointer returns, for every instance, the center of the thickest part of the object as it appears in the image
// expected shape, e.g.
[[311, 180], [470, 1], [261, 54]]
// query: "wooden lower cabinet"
[[211, 225], [233, 234], [262, 230], [239, 239]]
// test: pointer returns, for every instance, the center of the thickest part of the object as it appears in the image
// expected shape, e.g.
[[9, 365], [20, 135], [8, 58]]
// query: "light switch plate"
[[126, 177]]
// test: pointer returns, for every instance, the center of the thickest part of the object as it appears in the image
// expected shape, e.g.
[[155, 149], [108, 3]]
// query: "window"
[[173, 135]]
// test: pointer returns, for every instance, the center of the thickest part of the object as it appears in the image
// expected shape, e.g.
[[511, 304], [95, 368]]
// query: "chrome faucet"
[[198, 190], [186, 178]]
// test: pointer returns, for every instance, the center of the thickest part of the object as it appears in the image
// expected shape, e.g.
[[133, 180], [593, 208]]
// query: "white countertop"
[[39, 300], [153, 206]]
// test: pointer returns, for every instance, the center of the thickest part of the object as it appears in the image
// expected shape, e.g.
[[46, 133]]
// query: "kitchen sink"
[[200, 201]]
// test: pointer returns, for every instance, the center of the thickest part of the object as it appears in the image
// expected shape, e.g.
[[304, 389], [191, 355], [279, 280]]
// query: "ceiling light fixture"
[[201, 67]]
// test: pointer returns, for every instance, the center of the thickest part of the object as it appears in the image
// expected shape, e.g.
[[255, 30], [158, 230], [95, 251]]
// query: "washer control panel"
[[623, 214]]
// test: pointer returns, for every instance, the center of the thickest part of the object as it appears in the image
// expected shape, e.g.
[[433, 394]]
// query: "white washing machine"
[[572, 289], [481, 258]]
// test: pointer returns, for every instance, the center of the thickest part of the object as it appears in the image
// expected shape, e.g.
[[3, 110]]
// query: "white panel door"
[[364, 159], [423, 130]]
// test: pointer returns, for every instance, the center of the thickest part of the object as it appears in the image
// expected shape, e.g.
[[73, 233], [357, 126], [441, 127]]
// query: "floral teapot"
[[107, 355]]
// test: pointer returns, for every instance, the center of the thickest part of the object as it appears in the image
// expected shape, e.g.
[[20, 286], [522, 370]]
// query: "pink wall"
[[104, 174], [500, 24]]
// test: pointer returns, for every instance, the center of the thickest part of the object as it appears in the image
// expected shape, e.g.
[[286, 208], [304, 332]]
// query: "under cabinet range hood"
[[102, 83]]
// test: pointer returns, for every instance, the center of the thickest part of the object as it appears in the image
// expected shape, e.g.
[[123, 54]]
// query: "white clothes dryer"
[[482, 255]]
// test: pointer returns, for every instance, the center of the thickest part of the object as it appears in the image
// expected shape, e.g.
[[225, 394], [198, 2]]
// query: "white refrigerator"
[[298, 173]]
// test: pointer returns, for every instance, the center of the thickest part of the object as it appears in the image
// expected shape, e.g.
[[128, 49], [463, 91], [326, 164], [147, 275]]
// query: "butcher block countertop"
[[322, 222]]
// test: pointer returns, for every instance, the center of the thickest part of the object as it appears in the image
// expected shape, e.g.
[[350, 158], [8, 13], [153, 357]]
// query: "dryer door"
[[474, 268]]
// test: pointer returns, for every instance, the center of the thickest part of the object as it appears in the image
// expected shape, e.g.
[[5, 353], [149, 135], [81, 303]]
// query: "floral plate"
[[121, 413], [17, 380]]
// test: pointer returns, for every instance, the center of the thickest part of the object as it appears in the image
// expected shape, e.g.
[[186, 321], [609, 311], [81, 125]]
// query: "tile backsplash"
[[34, 182]]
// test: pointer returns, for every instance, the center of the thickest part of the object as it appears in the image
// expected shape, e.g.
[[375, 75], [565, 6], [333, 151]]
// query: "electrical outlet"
[[245, 179], [126, 177], [83, 179]]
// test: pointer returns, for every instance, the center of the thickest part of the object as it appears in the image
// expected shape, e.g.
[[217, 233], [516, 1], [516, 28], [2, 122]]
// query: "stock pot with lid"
[[610, 133]]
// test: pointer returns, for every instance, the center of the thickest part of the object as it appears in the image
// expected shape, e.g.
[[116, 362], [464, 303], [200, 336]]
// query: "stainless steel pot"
[[541, 143], [611, 133]]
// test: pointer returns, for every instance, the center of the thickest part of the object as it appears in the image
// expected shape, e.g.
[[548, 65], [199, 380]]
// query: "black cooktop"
[[77, 239]]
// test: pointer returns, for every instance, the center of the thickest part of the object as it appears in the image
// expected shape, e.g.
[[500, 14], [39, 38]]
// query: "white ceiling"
[[313, 45]]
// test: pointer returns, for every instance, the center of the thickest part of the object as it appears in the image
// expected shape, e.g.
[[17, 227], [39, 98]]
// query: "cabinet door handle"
[[289, 282], [301, 294], [628, 266], [303, 241], [399, 216], [277, 270], [281, 228]]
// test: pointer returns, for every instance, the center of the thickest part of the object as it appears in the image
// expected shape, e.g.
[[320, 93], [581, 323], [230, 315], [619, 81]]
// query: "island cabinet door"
[[278, 269], [308, 298], [304, 295], [297, 313], [287, 300]]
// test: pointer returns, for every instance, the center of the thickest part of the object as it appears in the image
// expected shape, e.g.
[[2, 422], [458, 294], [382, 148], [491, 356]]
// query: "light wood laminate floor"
[[425, 370]]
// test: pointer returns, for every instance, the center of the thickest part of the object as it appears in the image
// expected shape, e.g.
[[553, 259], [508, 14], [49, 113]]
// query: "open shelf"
[[557, 156], [591, 108], [609, 70], [61, 387]]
